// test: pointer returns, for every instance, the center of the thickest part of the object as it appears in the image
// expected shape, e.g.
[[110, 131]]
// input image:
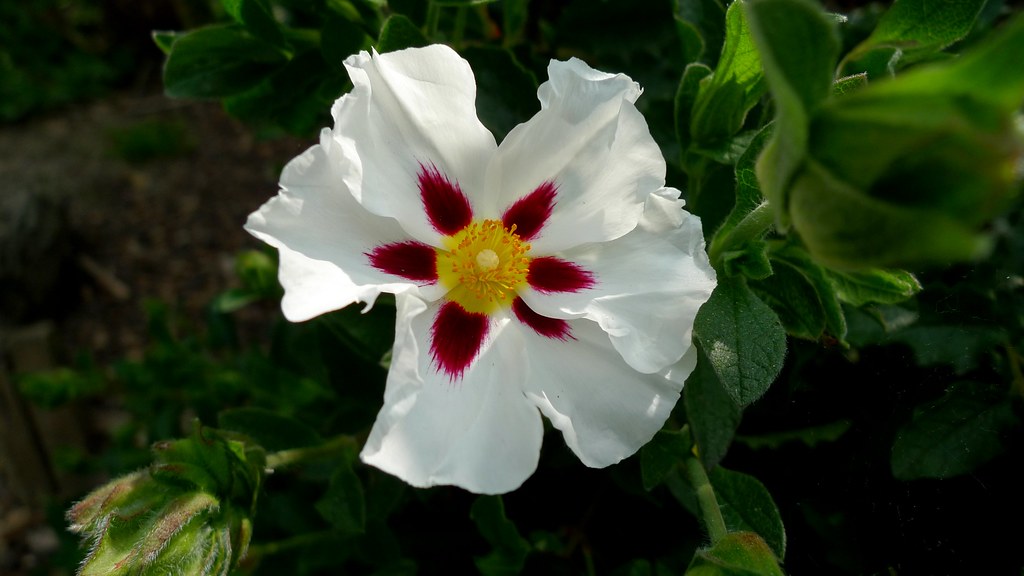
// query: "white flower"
[[552, 274]]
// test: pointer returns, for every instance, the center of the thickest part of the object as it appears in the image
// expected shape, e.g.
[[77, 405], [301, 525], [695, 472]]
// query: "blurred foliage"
[[857, 401]]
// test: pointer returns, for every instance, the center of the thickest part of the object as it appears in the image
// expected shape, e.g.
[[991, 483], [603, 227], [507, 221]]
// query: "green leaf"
[[369, 336], [398, 33], [510, 549], [737, 554], [810, 437], [874, 285], [686, 95], [514, 17], [661, 455], [506, 91], [457, 3], [817, 278], [164, 39], [743, 338], [270, 429], [711, 412], [747, 506], [218, 61], [725, 97], [794, 299], [849, 84], [913, 29], [954, 434], [843, 228], [690, 41], [799, 80], [256, 16], [707, 20], [905, 171], [339, 39], [343, 505], [743, 226], [959, 346], [296, 98]]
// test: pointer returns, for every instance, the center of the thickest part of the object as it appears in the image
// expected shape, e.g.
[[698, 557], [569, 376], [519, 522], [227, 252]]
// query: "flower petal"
[[322, 235], [590, 141], [479, 433], [652, 282], [408, 109], [605, 410]]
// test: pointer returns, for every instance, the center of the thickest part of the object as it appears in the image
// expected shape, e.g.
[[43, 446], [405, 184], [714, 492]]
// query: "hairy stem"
[[295, 456], [433, 17], [709, 509], [752, 226]]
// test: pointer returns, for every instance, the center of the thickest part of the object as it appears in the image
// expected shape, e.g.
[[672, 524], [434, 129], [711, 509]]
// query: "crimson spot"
[[549, 274], [550, 327], [456, 338], [445, 203], [531, 212], [410, 260]]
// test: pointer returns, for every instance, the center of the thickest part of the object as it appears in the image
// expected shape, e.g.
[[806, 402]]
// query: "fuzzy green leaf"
[[874, 285], [399, 32], [747, 506], [218, 61], [661, 455], [343, 505], [743, 338], [725, 97], [257, 17], [711, 412], [510, 549], [799, 80], [954, 434], [737, 554]]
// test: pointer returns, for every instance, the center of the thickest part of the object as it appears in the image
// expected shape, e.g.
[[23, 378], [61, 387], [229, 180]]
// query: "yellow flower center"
[[484, 266]]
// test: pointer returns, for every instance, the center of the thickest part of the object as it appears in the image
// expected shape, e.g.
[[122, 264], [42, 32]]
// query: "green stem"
[[1015, 368], [433, 18], [752, 226], [300, 541], [460, 26], [295, 456], [709, 508]]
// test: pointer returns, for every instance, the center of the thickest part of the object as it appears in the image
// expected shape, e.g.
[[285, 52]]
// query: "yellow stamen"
[[484, 266]]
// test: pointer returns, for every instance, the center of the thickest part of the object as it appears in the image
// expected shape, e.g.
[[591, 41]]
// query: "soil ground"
[[155, 192]]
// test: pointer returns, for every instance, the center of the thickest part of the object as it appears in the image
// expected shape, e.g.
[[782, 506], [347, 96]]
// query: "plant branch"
[[709, 509], [752, 226], [291, 457]]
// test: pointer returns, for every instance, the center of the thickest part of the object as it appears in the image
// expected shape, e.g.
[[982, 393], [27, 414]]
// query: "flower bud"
[[189, 513]]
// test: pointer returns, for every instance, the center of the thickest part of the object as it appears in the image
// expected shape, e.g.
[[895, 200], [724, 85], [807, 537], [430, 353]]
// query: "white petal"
[[407, 108], [322, 235], [605, 409], [649, 285], [479, 433], [590, 140]]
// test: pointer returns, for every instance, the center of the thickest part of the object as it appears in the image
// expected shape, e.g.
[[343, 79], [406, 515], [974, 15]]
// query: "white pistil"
[[487, 259]]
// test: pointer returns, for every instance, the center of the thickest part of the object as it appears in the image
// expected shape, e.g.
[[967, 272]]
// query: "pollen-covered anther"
[[484, 266]]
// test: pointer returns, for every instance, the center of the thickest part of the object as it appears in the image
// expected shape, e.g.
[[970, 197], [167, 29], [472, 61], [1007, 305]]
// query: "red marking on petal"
[[444, 201], [549, 327], [531, 212], [550, 274], [456, 338], [411, 260]]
